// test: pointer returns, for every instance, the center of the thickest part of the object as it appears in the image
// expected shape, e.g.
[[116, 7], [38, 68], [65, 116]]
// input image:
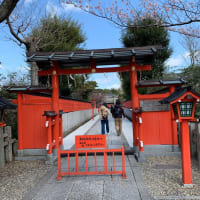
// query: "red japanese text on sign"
[[90, 141]]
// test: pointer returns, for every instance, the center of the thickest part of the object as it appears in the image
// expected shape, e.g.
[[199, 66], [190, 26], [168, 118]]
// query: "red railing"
[[87, 172]]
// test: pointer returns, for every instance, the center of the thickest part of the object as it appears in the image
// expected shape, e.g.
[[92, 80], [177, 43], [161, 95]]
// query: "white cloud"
[[52, 9], [22, 69], [28, 1], [26, 68], [4, 68], [179, 60], [115, 86], [105, 79], [70, 7]]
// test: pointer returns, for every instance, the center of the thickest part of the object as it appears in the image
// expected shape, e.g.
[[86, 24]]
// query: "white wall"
[[128, 113], [72, 120]]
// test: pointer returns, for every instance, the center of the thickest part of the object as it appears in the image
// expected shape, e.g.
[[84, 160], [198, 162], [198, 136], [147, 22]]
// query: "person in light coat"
[[103, 114]]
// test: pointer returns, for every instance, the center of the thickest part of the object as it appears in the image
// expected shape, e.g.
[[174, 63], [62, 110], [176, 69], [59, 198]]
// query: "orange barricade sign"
[[90, 141]]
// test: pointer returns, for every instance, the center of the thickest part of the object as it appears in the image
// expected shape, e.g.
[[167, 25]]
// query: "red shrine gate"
[[60, 63], [86, 61]]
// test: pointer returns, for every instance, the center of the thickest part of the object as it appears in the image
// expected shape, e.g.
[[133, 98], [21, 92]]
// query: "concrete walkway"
[[102, 187]]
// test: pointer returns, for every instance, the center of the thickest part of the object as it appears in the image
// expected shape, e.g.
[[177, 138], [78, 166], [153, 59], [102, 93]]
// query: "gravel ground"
[[163, 177], [18, 177]]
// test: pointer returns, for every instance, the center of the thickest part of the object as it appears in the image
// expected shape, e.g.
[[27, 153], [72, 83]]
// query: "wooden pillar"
[[140, 135], [171, 89], [60, 130], [8, 148], [2, 156], [134, 102], [173, 128], [55, 103], [185, 151], [19, 121], [173, 121], [49, 132]]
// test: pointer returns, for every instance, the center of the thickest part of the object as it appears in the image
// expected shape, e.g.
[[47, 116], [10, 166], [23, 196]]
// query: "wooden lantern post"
[[183, 103]]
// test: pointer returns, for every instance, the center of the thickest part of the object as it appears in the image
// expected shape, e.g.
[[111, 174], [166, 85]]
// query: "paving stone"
[[87, 191], [53, 191], [96, 187], [120, 190]]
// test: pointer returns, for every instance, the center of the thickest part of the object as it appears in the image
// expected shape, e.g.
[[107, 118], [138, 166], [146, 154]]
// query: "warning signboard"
[[90, 141]]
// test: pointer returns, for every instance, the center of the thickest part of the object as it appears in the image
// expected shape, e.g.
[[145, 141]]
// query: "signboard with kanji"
[[90, 141]]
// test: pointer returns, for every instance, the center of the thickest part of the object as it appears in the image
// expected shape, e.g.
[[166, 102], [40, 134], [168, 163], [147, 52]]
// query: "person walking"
[[103, 113], [117, 113], [111, 110]]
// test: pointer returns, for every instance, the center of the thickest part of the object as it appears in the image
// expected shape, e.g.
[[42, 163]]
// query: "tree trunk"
[[34, 74], [6, 7]]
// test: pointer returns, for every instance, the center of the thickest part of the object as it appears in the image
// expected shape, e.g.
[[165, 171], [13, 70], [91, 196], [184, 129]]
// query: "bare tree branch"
[[15, 35], [169, 13]]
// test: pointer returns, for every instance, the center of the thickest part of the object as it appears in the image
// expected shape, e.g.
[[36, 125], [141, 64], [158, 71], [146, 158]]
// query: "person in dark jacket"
[[111, 110], [117, 113]]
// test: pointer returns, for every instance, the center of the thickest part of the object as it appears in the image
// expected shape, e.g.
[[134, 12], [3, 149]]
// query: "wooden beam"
[[143, 67], [94, 70]]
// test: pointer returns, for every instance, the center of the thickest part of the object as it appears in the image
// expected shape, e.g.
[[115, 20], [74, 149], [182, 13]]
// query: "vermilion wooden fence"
[[33, 132], [94, 141], [156, 127]]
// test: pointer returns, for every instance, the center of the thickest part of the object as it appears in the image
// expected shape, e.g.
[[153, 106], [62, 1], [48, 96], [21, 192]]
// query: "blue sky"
[[100, 34]]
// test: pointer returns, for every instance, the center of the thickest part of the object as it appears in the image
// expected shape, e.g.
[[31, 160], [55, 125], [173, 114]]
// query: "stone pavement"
[[94, 187]]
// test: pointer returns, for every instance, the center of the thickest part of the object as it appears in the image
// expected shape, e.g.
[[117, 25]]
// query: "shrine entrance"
[[88, 61]]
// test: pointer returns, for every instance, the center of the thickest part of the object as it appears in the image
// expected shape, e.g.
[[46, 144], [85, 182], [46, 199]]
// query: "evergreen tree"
[[132, 37], [192, 75], [58, 34]]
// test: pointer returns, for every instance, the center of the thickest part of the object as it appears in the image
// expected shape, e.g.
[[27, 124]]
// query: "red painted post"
[[59, 164], [105, 161], [93, 107], [93, 112], [95, 162], [20, 121], [60, 130], [49, 132], [185, 149], [86, 162], [55, 102], [141, 145], [77, 164], [113, 161], [68, 163], [134, 102], [123, 164], [173, 128], [171, 89]]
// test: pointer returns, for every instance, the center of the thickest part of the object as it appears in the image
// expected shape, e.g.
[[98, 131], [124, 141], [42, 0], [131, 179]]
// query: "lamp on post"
[[184, 109], [183, 102]]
